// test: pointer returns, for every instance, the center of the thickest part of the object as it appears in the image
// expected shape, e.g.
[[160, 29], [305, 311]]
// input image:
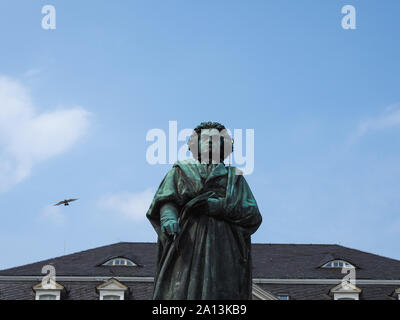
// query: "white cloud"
[[128, 205], [27, 137], [32, 73], [389, 119]]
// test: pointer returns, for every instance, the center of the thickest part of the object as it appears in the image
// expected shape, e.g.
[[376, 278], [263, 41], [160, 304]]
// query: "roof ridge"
[[74, 253], [122, 245], [370, 253]]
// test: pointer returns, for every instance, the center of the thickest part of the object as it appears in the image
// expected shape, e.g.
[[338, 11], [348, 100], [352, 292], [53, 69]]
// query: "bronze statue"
[[204, 214]]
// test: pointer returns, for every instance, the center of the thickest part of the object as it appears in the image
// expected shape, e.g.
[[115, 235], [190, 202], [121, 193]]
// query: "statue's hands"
[[168, 219], [170, 227]]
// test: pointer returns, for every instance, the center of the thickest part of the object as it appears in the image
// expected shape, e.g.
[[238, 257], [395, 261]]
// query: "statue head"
[[210, 142]]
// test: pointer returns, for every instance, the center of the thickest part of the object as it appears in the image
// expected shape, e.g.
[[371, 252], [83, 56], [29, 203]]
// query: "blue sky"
[[76, 104]]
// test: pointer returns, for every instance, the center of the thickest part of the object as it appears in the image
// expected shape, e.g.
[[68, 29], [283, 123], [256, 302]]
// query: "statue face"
[[210, 146]]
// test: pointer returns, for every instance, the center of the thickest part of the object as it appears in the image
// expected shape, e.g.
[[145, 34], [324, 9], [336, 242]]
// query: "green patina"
[[210, 255]]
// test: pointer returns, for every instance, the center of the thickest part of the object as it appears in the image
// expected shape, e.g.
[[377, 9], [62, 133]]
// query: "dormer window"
[[397, 293], [345, 291], [120, 262], [50, 290], [112, 290], [338, 264]]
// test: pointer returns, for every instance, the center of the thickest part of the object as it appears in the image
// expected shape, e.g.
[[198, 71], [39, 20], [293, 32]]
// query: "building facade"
[[124, 271]]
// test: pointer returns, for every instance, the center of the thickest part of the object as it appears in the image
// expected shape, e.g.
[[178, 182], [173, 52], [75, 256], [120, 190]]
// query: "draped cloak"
[[211, 257]]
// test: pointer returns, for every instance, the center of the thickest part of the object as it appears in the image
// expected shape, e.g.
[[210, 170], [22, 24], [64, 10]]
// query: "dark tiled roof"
[[270, 261], [86, 290], [76, 290], [302, 261], [89, 262], [17, 290], [321, 291]]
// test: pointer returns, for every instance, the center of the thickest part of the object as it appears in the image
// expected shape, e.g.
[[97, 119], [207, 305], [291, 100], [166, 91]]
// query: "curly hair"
[[225, 139]]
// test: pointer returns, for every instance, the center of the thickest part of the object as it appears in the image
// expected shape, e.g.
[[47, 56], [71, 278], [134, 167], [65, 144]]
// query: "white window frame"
[[345, 291], [53, 289], [112, 287], [104, 293], [105, 296], [122, 262], [56, 293], [344, 264], [346, 296]]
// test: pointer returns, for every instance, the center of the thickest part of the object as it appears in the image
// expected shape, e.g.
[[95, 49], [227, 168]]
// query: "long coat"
[[211, 257]]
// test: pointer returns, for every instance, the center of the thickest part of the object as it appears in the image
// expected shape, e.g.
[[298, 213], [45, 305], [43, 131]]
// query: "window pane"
[[47, 297], [119, 262], [338, 264], [111, 298]]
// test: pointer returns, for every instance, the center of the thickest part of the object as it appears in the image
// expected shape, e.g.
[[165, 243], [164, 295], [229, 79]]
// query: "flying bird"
[[65, 202]]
